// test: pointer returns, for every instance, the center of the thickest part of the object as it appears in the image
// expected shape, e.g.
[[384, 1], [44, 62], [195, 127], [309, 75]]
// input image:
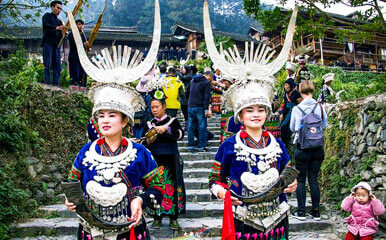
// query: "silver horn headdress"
[[113, 72], [253, 73], [103, 209]]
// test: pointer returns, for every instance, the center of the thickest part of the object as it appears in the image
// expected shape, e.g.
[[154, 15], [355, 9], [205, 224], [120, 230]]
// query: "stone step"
[[198, 195], [204, 209], [198, 155], [42, 226], [57, 237], [309, 224], [193, 210], [191, 228], [292, 202], [196, 173], [188, 164], [198, 227], [210, 143], [185, 149], [196, 183]]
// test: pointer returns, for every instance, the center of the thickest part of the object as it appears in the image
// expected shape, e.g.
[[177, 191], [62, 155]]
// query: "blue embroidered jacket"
[[226, 169]]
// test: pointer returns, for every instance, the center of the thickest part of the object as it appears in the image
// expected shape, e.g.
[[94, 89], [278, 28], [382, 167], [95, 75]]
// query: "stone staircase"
[[203, 216]]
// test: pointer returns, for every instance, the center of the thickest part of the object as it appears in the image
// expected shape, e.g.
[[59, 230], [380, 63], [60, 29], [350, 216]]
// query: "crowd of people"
[[170, 53], [114, 179]]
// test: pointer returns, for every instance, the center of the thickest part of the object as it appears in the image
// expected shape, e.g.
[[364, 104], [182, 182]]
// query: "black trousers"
[[78, 76], [308, 162]]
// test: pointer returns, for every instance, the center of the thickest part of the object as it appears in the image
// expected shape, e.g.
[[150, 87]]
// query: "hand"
[[373, 197], [69, 205], [136, 211], [292, 187], [352, 195], [161, 129], [281, 117], [235, 201], [61, 27], [86, 44]]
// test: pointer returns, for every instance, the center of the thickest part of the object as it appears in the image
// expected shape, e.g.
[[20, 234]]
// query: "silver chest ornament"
[[262, 158], [108, 171], [108, 168]]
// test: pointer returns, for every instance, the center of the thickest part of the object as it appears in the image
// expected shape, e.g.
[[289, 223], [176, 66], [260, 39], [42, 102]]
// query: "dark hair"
[[187, 68], [193, 69], [172, 71], [79, 21], [162, 68], [53, 3], [162, 100]]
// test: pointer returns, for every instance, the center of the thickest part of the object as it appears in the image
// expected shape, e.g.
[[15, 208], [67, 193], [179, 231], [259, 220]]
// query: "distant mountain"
[[227, 15]]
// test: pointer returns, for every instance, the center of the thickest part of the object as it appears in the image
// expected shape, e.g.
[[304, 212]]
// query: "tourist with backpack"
[[308, 121]]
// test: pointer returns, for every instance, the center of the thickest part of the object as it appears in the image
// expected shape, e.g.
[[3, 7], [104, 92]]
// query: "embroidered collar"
[[162, 118], [102, 140]]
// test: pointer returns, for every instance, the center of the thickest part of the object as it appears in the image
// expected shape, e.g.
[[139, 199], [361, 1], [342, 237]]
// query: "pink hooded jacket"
[[363, 218]]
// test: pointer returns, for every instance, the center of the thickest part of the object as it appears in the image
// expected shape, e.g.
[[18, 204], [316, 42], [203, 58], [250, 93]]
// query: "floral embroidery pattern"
[[214, 175], [154, 179], [74, 174]]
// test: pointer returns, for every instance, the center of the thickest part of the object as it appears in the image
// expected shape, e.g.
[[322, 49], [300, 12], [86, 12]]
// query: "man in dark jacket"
[[52, 33], [198, 104], [78, 77]]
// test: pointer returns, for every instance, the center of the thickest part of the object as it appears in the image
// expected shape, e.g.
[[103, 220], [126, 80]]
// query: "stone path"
[[203, 217]]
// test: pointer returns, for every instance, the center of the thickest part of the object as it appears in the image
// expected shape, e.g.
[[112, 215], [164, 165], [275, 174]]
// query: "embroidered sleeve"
[[284, 157], [77, 167], [152, 181], [220, 168], [74, 174]]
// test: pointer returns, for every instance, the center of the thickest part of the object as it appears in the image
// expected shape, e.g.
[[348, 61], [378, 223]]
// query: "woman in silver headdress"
[[113, 179], [250, 169]]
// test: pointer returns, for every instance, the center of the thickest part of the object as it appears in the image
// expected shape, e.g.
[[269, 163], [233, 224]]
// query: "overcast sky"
[[337, 8]]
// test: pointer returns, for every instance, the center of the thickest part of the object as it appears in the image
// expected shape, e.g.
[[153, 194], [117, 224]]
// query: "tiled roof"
[[200, 30], [37, 33]]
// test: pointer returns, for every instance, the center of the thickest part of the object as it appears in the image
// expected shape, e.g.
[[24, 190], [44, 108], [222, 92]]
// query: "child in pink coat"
[[364, 208]]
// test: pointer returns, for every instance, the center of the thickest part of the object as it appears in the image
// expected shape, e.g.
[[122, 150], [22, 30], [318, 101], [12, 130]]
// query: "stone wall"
[[356, 138]]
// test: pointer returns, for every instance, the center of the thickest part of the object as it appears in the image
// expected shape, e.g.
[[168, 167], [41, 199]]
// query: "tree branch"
[[380, 14], [355, 26]]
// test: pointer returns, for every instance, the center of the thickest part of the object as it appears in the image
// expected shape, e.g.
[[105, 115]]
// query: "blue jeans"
[[308, 162], [51, 58], [197, 115]]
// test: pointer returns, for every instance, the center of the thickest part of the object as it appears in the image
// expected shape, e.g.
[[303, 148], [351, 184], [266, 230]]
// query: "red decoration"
[[265, 134], [124, 142], [228, 223], [101, 141], [132, 234], [243, 133]]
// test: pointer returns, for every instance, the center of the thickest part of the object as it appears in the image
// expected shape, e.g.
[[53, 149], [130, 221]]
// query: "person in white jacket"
[[307, 161]]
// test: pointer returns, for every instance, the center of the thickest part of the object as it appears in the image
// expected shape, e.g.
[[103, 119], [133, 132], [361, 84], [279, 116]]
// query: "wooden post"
[[321, 50]]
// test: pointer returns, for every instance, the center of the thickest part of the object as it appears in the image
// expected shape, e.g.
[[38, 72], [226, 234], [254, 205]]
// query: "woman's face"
[[183, 70], [110, 123], [287, 87], [253, 117], [157, 108]]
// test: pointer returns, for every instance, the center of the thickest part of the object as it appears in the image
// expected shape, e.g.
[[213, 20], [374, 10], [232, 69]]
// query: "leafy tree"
[[218, 39], [314, 20]]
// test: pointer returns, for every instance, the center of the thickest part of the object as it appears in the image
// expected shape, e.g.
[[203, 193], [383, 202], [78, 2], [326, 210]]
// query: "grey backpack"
[[311, 129]]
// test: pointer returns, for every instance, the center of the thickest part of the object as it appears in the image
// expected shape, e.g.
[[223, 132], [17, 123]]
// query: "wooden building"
[[194, 35], [31, 39], [329, 49]]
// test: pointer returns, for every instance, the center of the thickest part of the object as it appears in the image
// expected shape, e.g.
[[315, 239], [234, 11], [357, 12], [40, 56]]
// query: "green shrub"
[[45, 124], [355, 84]]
